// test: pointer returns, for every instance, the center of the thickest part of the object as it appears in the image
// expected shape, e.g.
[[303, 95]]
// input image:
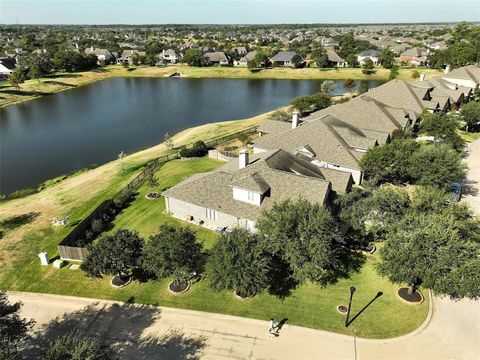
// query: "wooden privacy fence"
[[70, 249]]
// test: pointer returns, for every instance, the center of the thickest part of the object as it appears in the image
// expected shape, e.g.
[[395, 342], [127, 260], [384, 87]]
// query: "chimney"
[[294, 120], [422, 76], [447, 69], [243, 159]]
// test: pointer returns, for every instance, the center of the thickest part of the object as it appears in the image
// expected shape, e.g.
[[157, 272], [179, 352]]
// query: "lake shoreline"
[[33, 89]]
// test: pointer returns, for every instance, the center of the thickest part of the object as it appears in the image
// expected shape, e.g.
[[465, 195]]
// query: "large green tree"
[[436, 164], [305, 235], [442, 126], [193, 57], [306, 104], [174, 251], [386, 58], [471, 115], [428, 249], [115, 254], [368, 67], [13, 328], [238, 261]]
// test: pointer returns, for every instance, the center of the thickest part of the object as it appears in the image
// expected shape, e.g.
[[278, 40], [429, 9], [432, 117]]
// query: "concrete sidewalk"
[[145, 332], [471, 187]]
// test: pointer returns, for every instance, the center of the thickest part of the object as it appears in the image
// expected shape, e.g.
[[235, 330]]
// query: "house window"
[[251, 196], [212, 215]]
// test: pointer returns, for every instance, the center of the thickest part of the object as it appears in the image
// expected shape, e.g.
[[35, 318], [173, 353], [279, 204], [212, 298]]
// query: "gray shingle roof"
[[470, 72], [284, 56], [331, 139], [274, 126], [213, 190]]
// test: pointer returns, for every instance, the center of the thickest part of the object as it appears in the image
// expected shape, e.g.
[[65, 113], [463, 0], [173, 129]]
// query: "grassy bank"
[[308, 305], [32, 89]]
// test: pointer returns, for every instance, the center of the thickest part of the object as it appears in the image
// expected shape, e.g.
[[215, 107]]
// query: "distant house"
[[284, 59], [7, 66], [236, 194], [240, 50], [415, 56], [334, 59], [127, 56], [244, 60], [329, 43], [170, 56], [216, 58], [368, 54], [102, 55]]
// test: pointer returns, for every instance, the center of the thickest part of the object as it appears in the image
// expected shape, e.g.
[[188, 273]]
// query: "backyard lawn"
[[308, 305]]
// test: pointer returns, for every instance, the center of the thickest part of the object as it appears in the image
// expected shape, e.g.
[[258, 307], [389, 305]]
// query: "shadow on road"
[[123, 327]]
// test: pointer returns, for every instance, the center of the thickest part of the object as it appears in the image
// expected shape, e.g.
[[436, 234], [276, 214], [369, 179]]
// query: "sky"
[[235, 11]]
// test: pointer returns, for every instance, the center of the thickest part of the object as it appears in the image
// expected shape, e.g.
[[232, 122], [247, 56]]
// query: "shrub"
[[97, 226], [198, 149]]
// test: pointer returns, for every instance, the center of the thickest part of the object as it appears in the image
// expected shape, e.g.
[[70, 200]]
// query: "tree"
[[281, 115], [174, 251], [437, 165], [13, 328], [394, 71], [121, 161], [193, 57], [306, 104], [238, 261], [386, 58], [75, 345], [115, 254], [320, 57], [152, 180], [35, 72], [427, 249], [168, 140], [15, 78], [368, 67], [304, 235], [198, 149], [471, 115], [442, 126], [390, 162], [415, 74], [328, 86], [262, 59], [297, 61], [372, 212]]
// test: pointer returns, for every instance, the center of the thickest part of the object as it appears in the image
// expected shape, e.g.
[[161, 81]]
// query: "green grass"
[[469, 136], [309, 305]]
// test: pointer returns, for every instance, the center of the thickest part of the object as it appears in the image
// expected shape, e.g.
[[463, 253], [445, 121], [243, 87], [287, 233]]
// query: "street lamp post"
[[352, 290]]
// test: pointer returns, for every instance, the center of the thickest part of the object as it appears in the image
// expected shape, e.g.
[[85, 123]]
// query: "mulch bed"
[[120, 281], [242, 296], [152, 195], [178, 289], [342, 309], [415, 298]]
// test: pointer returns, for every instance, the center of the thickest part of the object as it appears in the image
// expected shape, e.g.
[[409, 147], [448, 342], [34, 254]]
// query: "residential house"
[[368, 54], [244, 60], [468, 76], [216, 58], [330, 143], [457, 94], [335, 60], [236, 194], [240, 50], [170, 56], [7, 66], [284, 59], [414, 56], [128, 55], [103, 55]]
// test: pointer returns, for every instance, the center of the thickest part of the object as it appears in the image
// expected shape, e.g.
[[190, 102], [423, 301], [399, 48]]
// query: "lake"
[[55, 135]]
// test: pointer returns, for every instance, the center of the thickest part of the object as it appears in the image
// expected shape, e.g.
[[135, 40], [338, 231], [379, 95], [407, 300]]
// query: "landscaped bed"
[[308, 305]]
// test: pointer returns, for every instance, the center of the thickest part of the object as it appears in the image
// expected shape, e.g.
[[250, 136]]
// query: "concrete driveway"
[[452, 331], [471, 187]]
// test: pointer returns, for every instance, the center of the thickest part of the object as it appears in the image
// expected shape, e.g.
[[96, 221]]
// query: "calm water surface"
[[58, 134]]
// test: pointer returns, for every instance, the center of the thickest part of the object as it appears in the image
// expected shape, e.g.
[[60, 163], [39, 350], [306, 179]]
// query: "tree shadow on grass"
[[124, 328], [16, 221], [55, 76], [24, 93], [61, 83], [281, 281], [349, 262]]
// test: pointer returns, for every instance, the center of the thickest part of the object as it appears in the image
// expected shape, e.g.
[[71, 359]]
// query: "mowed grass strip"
[[308, 305]]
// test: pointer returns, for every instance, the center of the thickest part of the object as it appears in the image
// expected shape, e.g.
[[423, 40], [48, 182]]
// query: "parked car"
[[456, 191]]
